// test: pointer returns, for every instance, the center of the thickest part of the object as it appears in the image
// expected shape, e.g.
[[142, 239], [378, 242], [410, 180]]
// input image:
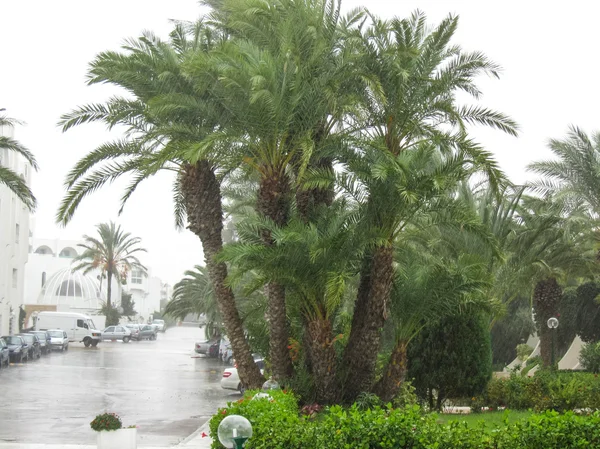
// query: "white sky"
[[549, 55]]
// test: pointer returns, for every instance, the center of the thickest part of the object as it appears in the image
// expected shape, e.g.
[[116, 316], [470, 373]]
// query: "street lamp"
[[234, 431], [552, 325]]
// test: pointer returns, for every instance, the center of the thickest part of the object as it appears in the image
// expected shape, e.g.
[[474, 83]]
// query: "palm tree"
[[194, 294], [315, 262], [411, 147], [113, 252], [575, 175], [549, 247], [170, 113], [7, 176], [282, 82]]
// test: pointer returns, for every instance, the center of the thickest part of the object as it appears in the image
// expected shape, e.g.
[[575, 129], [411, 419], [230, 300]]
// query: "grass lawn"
[[491, 419]]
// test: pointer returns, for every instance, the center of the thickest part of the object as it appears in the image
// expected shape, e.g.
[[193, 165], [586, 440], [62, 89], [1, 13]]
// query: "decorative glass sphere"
[[271, 384], [262, 396], [234, 426]]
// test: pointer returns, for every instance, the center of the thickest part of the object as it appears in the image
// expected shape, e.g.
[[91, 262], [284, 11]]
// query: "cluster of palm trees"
[[363, 209]]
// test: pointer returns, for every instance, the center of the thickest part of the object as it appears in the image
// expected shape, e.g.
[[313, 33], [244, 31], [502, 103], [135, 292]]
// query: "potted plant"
[[111, 434]]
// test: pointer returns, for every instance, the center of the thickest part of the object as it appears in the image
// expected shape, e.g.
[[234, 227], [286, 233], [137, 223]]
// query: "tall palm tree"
[[113, 252], [281, 76], [7, 176], [170, 113], [412, 146]]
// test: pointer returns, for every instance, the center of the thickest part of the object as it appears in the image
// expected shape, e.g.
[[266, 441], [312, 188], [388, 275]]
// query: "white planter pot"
[[117, 439]]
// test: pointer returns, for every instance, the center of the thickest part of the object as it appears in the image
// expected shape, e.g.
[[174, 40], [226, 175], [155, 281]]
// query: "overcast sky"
[[550, 80]]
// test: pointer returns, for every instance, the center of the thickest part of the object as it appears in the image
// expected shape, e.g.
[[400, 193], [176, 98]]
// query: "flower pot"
[[117, 439]]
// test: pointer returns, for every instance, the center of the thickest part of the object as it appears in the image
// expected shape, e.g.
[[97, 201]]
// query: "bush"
[[524, 351], [106, 421], [451, 359], [546, 390], [277, 425], [590, 357], [275, 422]]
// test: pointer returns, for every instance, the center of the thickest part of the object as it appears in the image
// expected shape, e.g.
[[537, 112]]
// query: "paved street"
[[157, 385]]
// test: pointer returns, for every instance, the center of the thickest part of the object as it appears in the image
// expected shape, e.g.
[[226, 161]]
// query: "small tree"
[[127, 304], [451, 359]]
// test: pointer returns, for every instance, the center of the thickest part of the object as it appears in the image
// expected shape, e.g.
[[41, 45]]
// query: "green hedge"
[[546, 390], [277, 425]]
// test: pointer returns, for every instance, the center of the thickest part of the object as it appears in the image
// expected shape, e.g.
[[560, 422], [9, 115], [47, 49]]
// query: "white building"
[[147, 292], [50, 281], [14, 241]]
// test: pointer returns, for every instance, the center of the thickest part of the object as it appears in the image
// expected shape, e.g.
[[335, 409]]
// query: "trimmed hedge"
[[277, 425], [546, 390]]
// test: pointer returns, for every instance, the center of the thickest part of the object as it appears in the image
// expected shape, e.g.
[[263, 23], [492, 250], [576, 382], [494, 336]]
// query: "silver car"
[[59, 339], [117, 333]]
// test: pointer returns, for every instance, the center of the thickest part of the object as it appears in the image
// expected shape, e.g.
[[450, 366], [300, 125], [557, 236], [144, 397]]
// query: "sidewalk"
[[194, 441]]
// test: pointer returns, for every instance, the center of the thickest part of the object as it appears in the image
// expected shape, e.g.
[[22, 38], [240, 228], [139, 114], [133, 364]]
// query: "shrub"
[[276, 425], [523, 351], [106, 421], [546, 390], [452, 357], [275, 422], [590, 357]]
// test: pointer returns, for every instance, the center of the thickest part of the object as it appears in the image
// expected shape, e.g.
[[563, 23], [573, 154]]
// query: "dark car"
[[148, 332], [17, 348], [44, 337], [209, 348], [4, 354], [35, 349]]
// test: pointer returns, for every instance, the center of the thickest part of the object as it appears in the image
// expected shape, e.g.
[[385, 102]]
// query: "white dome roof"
[[73, 289]]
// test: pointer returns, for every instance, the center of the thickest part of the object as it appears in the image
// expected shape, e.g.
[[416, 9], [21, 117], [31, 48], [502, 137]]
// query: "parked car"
[[135, 330], [209, 348], [34, 347], [148, 332], [17, 347], [117, 333], [4, 354], [44, 341], [59, 339], [231, 379], [160, 324]]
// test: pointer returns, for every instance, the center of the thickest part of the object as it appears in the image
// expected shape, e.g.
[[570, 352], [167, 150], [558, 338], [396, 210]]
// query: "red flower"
[[224, 412], [204, 435]]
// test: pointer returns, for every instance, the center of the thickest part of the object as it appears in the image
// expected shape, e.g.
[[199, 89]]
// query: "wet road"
[[156, 385]]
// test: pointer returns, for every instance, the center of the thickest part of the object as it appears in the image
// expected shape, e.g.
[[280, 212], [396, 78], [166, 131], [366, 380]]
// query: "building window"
[[17, 233], [136, 276], [15, 277], [69, 288], [43, 278], [68, 253]]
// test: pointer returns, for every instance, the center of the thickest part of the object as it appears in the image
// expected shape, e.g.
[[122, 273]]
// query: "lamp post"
[[552, 325], [234, 431]]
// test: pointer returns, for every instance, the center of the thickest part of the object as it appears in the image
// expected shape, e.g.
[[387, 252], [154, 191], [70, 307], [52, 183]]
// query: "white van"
[[79, 327]]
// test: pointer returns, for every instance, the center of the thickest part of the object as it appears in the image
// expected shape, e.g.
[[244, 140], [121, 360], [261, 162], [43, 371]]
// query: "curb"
[[203, 428]]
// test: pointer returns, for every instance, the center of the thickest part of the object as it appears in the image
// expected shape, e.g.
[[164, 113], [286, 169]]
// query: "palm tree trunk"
[[323, 360], [393, 374], [546, 298], [273, 203], [108, 289], [370, 313], [202, 196]]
